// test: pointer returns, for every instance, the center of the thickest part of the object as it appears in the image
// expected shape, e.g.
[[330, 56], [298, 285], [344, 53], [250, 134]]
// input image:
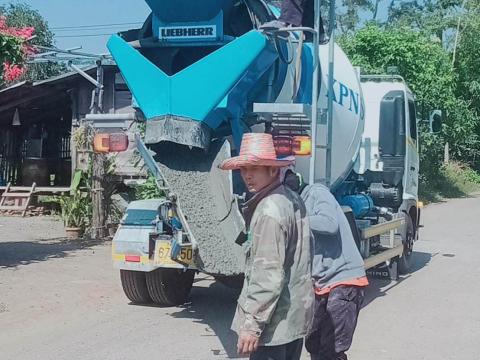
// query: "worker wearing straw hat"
[[275, 307]]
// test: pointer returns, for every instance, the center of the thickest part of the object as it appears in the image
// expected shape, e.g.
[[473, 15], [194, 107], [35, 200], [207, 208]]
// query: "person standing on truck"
[[275, 306], [295, 13], [338, 272]]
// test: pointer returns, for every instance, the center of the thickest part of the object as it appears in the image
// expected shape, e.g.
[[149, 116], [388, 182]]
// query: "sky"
[[73, 13], [64, 15]]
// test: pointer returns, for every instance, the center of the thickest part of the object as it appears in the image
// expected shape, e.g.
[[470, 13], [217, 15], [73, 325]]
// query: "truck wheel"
[[405, 262], [168, 287], [135, 286]]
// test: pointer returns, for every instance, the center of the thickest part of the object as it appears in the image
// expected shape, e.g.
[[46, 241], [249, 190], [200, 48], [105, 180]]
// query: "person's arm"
[[323, 215], [267, 274]]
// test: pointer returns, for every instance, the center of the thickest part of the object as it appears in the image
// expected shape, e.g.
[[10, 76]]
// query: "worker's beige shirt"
[[277, 296]]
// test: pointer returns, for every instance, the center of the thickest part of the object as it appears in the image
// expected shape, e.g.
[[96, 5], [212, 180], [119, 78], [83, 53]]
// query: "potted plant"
[[75, 211]]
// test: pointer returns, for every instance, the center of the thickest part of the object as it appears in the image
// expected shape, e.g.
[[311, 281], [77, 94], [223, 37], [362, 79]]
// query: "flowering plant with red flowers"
[[14, 50]]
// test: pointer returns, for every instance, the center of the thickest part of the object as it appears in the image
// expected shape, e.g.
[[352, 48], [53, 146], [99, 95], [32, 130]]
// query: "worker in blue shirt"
[[337, 270]]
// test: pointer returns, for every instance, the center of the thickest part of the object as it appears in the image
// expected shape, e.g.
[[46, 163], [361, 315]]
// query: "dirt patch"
[[28, 240]]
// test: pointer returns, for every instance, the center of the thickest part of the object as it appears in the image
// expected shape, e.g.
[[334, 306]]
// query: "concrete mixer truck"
[[201, 75]]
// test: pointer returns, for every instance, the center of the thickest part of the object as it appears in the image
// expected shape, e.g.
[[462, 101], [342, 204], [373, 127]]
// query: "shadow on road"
[[214, 306], [17, 253], [379, 287]]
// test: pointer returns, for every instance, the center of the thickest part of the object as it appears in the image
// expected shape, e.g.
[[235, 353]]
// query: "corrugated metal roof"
[[51, 80], [25, 89], [55, 79]]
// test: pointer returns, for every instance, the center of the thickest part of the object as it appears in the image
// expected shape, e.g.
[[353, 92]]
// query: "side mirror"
[[435, 120]]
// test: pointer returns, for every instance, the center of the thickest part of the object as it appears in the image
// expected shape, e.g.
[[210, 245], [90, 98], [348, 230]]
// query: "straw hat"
[[257, 150]]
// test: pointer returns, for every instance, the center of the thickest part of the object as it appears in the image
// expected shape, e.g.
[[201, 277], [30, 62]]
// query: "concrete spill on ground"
[[188, 172]]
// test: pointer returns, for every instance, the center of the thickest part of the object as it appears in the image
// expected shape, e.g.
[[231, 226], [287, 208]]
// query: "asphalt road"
[[62, 300]]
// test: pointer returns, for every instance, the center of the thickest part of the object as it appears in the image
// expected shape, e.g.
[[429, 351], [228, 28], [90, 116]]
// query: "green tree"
[[467, 57], [456, 25], [427, 69], [22, 15], [13, 51], [425, 65], [348, 12], [428, 16]]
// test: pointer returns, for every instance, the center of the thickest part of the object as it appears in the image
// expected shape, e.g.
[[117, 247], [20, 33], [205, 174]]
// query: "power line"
[[95, 26], [84, 35], [89, 29]]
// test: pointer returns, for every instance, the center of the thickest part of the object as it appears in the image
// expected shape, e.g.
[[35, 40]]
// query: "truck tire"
[[135, 286], [405, 261], [169, 287]]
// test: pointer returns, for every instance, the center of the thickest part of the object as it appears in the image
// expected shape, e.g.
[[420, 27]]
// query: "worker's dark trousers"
[[297, 12], [290, 351], [334, 323]]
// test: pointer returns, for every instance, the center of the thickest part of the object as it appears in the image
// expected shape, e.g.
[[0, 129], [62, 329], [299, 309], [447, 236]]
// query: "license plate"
[[163, 251]]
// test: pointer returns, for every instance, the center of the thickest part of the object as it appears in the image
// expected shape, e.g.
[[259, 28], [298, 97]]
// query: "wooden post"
[[98, 200], [74, 126], [99, 229]]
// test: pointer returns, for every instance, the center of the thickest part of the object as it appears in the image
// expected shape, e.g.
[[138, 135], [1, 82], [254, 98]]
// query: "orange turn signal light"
[[302, 145], [105, 143]]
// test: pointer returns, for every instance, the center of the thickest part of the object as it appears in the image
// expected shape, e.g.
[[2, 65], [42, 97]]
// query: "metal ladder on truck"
[[300, 113]]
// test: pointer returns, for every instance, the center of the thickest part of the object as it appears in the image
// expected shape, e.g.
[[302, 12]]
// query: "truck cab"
[[389, 157]]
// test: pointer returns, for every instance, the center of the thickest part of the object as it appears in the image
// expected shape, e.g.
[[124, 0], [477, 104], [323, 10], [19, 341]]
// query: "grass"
[[454, 180], [50, 203]]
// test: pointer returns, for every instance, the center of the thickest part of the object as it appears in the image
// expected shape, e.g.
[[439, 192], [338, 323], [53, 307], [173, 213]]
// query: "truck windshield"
[[140, 217]]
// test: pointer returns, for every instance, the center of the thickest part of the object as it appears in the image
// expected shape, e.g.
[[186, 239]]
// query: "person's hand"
[[247, 343]]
